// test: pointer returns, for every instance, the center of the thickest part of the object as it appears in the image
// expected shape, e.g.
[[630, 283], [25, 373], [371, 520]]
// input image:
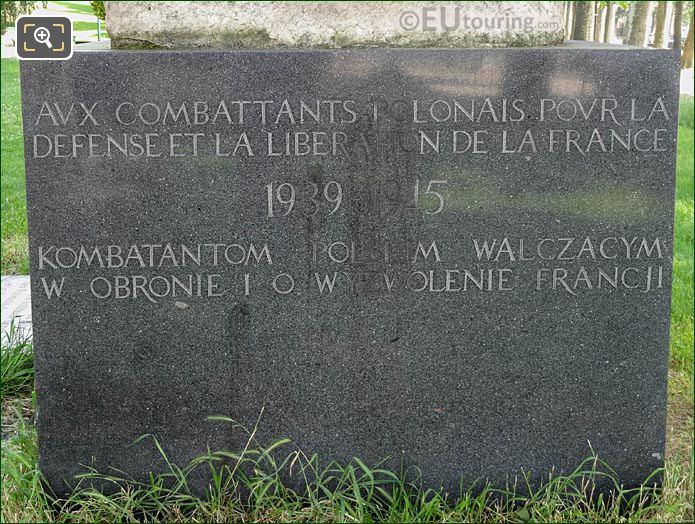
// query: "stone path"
[[687, 82], [16, 303]]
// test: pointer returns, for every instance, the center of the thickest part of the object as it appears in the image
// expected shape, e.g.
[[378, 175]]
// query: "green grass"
[[88, 26], [352, 492], [686, 118], [680, 384], [357, 493], [16, 364], [15, 245], [84, 26], [82, 8]]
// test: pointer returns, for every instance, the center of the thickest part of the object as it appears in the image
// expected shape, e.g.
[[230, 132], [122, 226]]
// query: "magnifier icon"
[[42, 35]]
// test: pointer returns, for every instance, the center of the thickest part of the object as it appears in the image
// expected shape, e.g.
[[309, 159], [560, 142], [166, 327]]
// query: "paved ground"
[[687, 82], [16, 303]]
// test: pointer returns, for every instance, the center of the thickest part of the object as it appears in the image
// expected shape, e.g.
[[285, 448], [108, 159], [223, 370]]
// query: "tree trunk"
[[609, 23], [598, 22], [569, 18], [687, 58], [628, 22], [677, 24], [660, 24], [668, 27], [583, 16], [640, 24]]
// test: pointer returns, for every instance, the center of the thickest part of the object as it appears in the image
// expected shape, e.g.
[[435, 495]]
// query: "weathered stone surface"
[[222, 25], [368, 319]]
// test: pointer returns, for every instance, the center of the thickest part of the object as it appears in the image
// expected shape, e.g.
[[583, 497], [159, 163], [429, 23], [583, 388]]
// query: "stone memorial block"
[[458, 260], [262, 25]]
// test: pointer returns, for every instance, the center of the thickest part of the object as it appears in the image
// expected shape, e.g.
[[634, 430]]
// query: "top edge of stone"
[[567, 45]]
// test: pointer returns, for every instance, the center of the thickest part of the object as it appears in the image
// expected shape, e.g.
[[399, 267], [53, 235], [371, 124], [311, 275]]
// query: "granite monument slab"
[[458, 260]]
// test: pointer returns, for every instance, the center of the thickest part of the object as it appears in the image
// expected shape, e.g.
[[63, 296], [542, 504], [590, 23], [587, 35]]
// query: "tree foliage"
[[99, 9], [11, 10]]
